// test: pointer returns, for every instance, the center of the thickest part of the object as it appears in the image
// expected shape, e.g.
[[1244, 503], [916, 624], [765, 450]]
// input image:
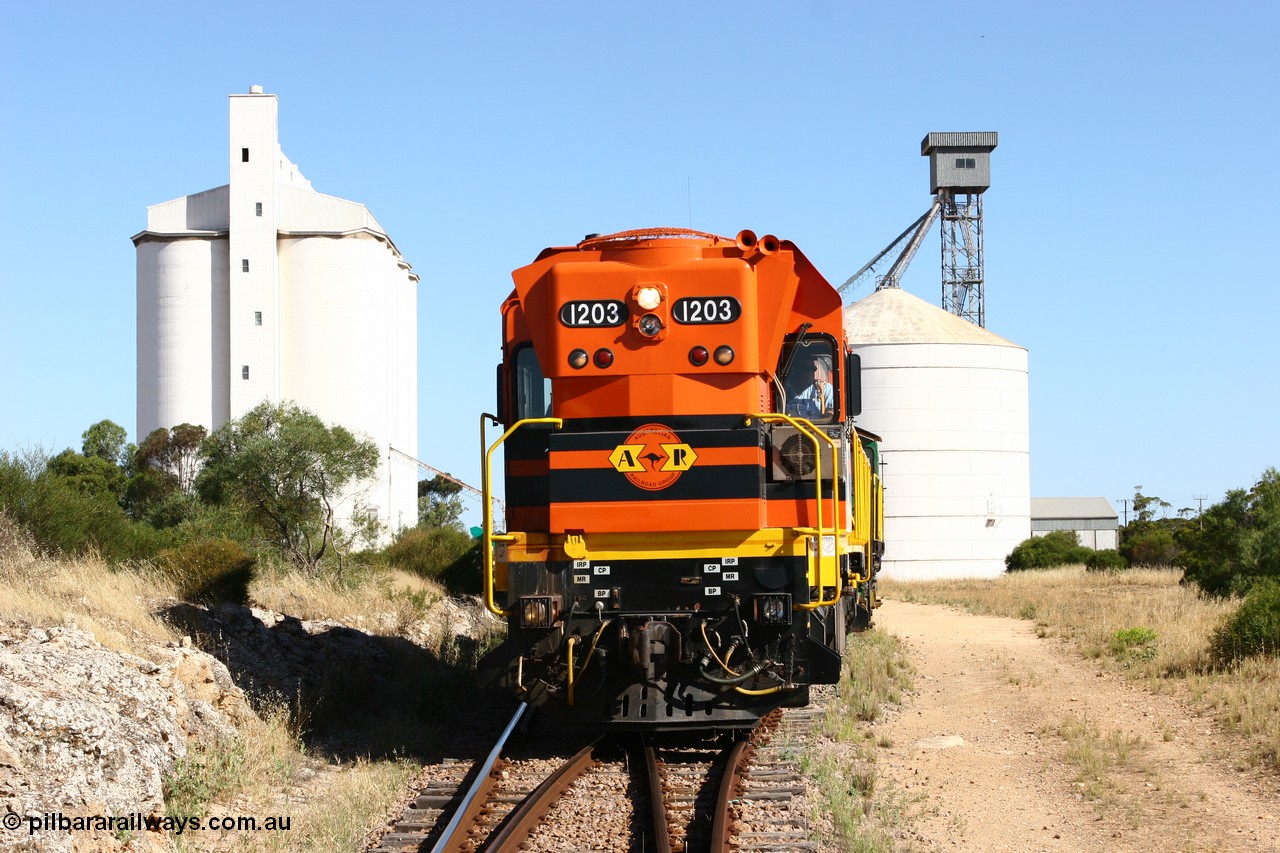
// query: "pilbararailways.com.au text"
[[138, 822]]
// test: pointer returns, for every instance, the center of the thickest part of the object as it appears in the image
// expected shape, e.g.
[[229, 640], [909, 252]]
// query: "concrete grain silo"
[[951, 401], [266, 290]]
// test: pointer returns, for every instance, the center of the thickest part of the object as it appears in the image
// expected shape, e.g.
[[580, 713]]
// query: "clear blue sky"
[[1130, 226]]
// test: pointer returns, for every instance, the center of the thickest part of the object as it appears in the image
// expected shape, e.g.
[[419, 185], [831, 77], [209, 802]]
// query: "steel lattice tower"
[[959, 172], [962, 266]]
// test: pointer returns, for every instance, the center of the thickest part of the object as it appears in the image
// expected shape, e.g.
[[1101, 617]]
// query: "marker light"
[[772, 608], [698, 356], [724, 354], [603, 357], [578, 359], [538, 611], [648, 298], [650, 325]]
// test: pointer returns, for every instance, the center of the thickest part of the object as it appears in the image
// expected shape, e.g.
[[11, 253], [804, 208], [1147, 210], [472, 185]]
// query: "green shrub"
[[209, 571], [463, 576], [66, 516], [206, 772], [1107, 560], [1128, 638], [1252, 630], [429, 551], [1058, 548]]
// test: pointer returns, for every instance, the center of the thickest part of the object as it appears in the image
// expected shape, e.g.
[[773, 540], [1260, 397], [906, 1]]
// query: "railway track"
[[647, 794]]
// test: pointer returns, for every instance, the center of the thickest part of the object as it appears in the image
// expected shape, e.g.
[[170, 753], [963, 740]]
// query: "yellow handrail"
[[807, 429], [835, 478], [489, 536]]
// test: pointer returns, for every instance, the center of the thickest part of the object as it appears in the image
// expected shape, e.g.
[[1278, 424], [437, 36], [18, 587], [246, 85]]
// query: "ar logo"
[[653, 457]]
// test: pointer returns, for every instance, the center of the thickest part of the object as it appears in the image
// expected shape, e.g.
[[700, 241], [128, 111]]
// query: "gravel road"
[[982, 750]]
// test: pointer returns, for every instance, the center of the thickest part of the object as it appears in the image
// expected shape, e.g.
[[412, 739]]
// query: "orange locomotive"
[[693, 521]]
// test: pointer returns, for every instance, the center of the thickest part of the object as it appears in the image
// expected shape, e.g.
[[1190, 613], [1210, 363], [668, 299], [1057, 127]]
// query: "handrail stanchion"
[[811, 432], [488, 535]]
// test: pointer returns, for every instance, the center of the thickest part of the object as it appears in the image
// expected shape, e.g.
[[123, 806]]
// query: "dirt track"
[[979, 754]]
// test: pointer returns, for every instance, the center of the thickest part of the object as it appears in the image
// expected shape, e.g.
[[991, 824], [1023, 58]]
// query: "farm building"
[[1093, 520]]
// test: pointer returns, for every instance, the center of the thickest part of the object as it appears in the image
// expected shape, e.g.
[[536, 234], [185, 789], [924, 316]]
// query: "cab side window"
[[532, 390], [807, 372]]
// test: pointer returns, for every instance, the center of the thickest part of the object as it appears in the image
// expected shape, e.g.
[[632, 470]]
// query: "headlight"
[[538, 611], [650, 325], [648, 298]]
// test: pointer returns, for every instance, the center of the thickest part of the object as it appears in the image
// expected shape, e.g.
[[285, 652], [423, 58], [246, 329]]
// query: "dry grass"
[[1110, 617], [859, 811], [114, 606], [1103, 761], [380, 602], [329, 807], [265, 771]]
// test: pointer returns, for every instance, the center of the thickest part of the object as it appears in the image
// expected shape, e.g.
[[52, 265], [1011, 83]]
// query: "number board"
[[593, 313], [704, 310]]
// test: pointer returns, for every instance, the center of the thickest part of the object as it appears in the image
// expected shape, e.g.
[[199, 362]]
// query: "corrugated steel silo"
[[951, 402]]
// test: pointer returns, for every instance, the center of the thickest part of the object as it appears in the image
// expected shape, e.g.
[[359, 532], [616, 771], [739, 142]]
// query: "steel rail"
[[469, 809], [657, 804], [730, 785], [520, 824]]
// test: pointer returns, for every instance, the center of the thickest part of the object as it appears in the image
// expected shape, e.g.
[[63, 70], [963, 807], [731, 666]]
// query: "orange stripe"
[[657, 516], [565, 460], [527, 467]]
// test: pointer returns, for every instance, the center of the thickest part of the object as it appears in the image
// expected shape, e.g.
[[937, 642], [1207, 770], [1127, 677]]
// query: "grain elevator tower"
[[959, 172], [265, 290]]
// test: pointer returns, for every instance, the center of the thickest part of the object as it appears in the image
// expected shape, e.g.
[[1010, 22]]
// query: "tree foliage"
[[175, 451], [69, 507], [439, 503], [1151, 543], [106, 440], [287, 472], [1148, 540], [1145, 507], [161, 486], [90, 474], [1237, 541]]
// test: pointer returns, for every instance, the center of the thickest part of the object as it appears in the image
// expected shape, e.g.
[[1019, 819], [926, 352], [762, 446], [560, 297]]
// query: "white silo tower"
[[951, 400], [264, 289]]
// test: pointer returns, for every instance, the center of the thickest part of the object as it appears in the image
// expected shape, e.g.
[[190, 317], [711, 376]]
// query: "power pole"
[[1200, 512], [1125, 501]]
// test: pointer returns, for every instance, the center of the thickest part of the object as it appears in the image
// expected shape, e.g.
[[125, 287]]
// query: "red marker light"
[[603, 357], [698, 356]]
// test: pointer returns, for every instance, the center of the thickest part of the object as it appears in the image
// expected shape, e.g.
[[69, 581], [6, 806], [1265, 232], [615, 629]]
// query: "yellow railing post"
[[489, 536], [811, 432]]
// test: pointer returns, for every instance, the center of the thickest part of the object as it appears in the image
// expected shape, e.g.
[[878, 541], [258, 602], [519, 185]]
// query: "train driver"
[[817, 399]]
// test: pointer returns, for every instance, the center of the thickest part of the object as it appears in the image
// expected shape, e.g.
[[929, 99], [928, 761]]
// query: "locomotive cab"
[[691, 519]]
